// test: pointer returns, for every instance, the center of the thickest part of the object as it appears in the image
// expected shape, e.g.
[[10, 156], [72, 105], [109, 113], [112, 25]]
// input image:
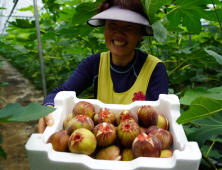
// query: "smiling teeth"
[[119, 43]]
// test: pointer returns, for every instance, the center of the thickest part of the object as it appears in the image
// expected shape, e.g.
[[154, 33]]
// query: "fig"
[[80, 121], [127, 131], [59, 141], [142, 130], [109, 153], [162, 122], [104, 115], [82, 141], [117, 141], [105, 134], [164, 136], [127, 154], [147, 116], [67, 119], [146, 146], [84, 108], [126, 115], [166, 153]]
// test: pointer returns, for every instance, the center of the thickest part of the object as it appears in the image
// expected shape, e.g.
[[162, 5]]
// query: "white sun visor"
[[118, 14]]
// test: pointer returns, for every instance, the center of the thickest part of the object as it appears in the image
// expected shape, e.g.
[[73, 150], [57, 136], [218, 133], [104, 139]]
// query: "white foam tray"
[[186, 155]]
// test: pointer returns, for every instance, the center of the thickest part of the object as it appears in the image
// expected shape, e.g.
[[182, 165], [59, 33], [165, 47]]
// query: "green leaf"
[[2, 8], [216, 138], [22, 49], [2, 153], [213, 153], [84, 12], [200, 12], [181, 75], [199, 57], [160, 32], [23, 23], [0, 138], [30, 8], [188, 129], [85, 30], [191, 95], [20, 114], [215, 55], [170, 27], [48, 35], [186, 10], [64, 42], [2, 84], [68, 32], [76, 51], [209, 126], [191, 22], [4, 45], [201, 107], [151, 7], [64, 1], [215, 89]]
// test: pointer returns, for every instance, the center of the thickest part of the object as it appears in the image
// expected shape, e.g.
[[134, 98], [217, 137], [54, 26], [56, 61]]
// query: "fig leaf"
[[200, 108], [2, 153], [13, 112], [191, 95], [209, 126]]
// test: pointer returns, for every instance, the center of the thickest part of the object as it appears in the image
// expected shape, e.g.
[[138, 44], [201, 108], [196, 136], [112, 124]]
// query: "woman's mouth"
[[119, 43]]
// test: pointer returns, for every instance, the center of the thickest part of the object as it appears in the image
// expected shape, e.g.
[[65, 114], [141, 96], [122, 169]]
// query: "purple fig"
[[59, 141], [126, 115], [146, 146], [147, 116], [104, 115], [164, 136], [105, 134]]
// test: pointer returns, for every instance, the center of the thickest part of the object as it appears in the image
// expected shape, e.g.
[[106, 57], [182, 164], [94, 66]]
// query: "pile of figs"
[[106, 135]]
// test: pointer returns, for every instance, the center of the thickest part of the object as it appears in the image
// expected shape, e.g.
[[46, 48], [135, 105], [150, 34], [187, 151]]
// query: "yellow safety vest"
[[105, 91]]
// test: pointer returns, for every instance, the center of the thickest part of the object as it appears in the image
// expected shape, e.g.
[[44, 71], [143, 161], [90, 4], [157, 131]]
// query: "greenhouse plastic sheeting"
[[8, 5]]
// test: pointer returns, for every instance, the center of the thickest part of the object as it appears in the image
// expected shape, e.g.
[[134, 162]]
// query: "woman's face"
[[122, 37]]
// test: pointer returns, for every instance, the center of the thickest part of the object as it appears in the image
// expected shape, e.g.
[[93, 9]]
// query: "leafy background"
[[187, 38]]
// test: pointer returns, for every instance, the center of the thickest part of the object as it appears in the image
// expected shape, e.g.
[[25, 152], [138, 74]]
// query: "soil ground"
[[15, 135]]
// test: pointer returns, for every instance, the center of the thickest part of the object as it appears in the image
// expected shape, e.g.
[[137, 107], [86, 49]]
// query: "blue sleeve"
[[158, 83], [81, 79]]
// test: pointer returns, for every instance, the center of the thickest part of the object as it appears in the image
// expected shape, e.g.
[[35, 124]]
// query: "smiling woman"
[[123, 72]]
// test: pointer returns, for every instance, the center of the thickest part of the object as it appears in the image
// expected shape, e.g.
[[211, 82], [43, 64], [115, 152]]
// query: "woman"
[[123, 74]]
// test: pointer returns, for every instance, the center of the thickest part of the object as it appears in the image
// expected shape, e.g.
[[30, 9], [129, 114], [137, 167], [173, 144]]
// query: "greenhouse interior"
[[48, 50]]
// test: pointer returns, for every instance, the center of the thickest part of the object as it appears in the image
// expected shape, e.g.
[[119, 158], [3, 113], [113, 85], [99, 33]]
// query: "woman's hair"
[[133, 5]]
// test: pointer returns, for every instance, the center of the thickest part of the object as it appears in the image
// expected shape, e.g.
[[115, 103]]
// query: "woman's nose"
[[120, 31]]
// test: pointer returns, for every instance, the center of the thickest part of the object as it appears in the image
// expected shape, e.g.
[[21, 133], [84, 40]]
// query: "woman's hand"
[[45, 121]]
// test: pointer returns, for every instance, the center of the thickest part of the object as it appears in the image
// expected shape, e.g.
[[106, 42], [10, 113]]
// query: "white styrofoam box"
[[186, 155]]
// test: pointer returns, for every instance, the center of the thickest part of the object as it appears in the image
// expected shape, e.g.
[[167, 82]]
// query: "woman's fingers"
[[49, 120], [44, 122], [41, 125]]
